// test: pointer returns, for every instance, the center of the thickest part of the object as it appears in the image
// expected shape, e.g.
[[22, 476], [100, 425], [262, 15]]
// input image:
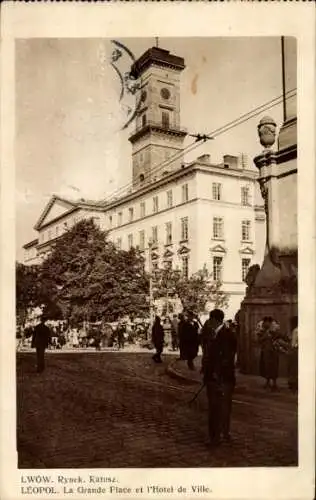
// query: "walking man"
[[181, 323], [41, 339], [174, 333], [218, 367], [158, 335], [190, 339], [120, 333]]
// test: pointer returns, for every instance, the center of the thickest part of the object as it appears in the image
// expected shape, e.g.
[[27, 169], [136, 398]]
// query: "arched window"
[[144, 120], [141, 178]]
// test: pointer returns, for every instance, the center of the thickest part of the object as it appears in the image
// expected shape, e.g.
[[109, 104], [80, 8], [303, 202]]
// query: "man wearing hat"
[[219, 346], [40, 340]]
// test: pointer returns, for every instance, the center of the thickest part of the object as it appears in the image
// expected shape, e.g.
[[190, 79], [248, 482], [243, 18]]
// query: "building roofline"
[[31, 243], [158, 56], [49, 206], [186, 170], [59, 217], [73, 204]]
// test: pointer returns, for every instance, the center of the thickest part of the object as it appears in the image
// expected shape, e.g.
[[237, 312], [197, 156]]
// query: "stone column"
[[272, 289]]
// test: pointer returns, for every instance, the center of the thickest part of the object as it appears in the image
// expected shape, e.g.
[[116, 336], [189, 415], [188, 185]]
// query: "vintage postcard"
[[158, 250]]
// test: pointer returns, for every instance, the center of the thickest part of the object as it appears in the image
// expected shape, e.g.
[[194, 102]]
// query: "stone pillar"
[[272, 289]]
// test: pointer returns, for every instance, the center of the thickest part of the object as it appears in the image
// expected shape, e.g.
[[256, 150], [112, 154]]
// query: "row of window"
[[61, 228], [217, 267], [217, 193], [155, 206], [184, 221], [168, 265], [58, 230], [218, 233], [218, 229]]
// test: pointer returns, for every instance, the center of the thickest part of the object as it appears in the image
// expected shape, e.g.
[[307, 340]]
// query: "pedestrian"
[[267, 334], [157, 337], [54, 338], [97, 339], [82, 337], [293, 356], [174, 333], [190, 335], [40, 340], [75, 338], [219, 347], [181, 323], [120, 335]]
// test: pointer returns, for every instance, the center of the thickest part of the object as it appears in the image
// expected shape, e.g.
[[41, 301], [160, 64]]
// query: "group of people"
[[219, 347], [184, 335], [218, 340], [272, 343]]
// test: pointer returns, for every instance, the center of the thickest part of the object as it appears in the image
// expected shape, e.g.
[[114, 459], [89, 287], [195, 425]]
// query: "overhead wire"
[[238, 121], [197, 143]]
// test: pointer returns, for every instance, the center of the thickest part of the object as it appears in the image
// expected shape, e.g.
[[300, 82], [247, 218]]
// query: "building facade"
[[179, 215], [59, 215]]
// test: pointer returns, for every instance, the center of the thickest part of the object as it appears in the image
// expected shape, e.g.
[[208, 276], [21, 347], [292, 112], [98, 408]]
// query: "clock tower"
[[158, 135]]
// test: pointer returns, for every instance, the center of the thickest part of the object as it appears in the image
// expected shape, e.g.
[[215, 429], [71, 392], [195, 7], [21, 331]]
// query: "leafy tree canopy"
[[27, 290], [194, 292], [88, 278]]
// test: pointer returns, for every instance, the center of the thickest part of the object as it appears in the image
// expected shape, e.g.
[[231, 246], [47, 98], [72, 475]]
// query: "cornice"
[[156, 56], [185, 171], [58, 218], [31, 244], [149, 128], [269, 157]]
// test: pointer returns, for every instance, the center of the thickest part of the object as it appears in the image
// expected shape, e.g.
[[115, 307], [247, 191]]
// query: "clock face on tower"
[[165, 93]]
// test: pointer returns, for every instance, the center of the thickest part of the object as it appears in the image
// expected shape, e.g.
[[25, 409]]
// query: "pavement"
[[128, 348], [120, 409], [244, 383]]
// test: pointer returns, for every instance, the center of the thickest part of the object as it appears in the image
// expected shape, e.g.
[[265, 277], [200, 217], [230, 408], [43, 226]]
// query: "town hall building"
[[180, 215]]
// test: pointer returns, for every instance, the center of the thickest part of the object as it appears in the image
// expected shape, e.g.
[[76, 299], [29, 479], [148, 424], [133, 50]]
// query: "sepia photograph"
[[157, 251], [156, 274]]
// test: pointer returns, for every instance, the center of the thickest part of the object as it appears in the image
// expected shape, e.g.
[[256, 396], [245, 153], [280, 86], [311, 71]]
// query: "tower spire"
[[157, 41]]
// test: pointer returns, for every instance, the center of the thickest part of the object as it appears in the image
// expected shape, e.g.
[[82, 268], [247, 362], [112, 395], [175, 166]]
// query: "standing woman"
[[268, 336], [157, 337]]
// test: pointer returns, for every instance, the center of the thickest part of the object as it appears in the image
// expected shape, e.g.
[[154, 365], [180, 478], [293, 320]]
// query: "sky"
[[69, 137]]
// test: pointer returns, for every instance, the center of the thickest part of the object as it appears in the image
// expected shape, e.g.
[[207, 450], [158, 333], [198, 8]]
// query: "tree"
[[194, 292], [27, 290], [88, 278]]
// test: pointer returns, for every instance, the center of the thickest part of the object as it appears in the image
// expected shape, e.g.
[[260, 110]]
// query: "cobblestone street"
[[100, 410]]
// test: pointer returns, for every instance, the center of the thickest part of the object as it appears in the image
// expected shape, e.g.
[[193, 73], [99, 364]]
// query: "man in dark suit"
[[41, 339], [219, 346], [190, 336]]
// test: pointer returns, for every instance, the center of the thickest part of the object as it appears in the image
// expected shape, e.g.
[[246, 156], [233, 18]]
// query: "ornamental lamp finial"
[[267, 132]]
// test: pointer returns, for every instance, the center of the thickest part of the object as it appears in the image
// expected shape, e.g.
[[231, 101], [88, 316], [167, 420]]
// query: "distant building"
[[31, 256], [192, 214], [59, 215]]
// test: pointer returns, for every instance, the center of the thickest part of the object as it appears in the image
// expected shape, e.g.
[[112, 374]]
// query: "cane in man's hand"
[[197, 394]]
